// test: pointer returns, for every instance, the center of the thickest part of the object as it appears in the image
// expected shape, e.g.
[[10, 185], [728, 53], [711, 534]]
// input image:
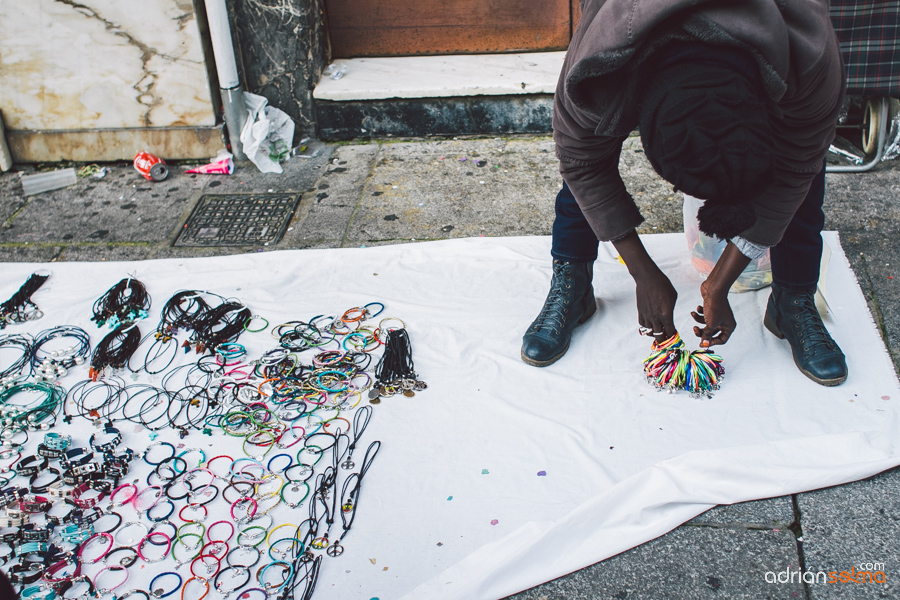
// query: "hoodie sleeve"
[[590, 166]]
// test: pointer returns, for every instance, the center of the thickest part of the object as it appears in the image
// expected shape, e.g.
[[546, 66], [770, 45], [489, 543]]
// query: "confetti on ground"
[[385, 569], [449, 498], [611, 447], [885, 397], [494, 521], [463, 159], [485, 472], [372, 560], [440, 543], [776, 530], [542, 473]]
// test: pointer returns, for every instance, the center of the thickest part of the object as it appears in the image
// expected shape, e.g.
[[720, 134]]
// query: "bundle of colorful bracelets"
[[672, 367], [79, 515]]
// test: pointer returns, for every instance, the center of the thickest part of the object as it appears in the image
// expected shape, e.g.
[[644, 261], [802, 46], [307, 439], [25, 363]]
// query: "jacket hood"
[[616, 37]]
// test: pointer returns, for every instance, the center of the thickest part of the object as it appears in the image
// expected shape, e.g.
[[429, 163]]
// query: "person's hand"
[[716, 317], [656, 298]]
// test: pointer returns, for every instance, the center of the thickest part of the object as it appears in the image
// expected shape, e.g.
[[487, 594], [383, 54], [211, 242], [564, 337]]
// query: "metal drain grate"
[[238, 220]]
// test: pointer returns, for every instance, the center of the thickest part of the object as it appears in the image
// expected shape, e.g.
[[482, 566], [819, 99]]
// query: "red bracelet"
[[88, 543], [192, 507], [210, 570], [80, 502], [210, 528]]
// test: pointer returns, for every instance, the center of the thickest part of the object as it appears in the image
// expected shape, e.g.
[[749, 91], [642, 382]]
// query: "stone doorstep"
[[409, 77], [420, 96]]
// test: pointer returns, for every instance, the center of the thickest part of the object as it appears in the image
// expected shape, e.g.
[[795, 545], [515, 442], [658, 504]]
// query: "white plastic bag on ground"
[[705, 251], [267, 135]]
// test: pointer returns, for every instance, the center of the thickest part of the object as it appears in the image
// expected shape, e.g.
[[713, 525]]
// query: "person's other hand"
[[656, 298], [716, 317]]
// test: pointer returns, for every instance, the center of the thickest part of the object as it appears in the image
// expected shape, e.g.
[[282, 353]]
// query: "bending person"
[[737, 103]]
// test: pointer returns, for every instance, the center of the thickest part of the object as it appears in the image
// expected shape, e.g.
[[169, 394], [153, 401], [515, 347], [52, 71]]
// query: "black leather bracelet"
[[109, 445], [26, 468], [41, 489]]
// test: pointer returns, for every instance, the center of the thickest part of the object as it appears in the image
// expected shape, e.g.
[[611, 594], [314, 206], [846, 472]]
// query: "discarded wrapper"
[[221, 167]]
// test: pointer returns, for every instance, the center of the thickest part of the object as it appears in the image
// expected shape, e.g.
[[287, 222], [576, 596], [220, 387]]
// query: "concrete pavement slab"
[[122, 207], [29, 253], [771, 513], [851, 526], [104, 252], [689, 563]]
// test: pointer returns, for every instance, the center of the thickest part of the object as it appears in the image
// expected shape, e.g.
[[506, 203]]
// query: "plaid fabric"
[[869, 34]]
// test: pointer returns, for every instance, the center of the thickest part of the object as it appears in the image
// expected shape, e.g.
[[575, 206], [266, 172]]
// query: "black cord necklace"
[[125, 302], [19, 308]]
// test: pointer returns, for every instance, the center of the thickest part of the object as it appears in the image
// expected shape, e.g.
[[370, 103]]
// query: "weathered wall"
[[283, 50], [97, 64]]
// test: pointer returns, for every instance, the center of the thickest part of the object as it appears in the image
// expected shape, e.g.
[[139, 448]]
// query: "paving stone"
[[300, 174], [689, 563], [852, 525], [36, 254], [122, 207], [104, 252], [772, 513]]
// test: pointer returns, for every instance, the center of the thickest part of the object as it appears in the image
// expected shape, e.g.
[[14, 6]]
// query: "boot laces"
[[811, 324], [552, 315]]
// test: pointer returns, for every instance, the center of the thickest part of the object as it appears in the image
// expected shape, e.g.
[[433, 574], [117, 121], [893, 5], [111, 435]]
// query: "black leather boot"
[[569, 304], [792, 315]]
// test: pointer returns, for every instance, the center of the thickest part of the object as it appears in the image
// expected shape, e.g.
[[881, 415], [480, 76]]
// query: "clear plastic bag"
[[706, 250]]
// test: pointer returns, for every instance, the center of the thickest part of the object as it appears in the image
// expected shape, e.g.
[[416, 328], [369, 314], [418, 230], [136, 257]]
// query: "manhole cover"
[[238, 220]]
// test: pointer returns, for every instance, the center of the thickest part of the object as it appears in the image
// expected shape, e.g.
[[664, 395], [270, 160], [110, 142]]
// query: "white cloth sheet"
[[623, 463]]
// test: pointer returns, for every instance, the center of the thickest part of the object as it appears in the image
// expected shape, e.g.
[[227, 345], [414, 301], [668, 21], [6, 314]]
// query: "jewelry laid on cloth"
[[19, 308], [671, 367], [220, 518]]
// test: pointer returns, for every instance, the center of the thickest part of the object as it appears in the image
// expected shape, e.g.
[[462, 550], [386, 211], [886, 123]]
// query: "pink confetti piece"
[[542, 473], [180, 446], [885, 397], [494, 521], [776, 530]]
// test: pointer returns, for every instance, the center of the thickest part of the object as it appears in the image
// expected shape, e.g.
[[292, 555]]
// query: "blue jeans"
[[795, 260]]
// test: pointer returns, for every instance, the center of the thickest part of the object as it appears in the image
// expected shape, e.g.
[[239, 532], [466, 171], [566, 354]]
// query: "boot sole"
[[773, 328], [548, 362]]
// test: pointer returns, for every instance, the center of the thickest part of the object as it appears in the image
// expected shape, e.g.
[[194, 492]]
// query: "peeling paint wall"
[[98, 64]]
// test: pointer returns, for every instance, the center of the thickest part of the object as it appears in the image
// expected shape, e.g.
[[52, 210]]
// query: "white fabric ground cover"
[[501, 476]]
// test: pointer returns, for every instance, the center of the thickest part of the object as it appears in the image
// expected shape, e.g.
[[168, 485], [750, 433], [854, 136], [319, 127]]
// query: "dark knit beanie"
[[705, 129]]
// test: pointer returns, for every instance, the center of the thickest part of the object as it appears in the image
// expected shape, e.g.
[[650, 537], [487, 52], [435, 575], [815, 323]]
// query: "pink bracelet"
[[159, 495], [129, 499], [88, 543], [185, 478], [101, 591], [147, 538], [241, 500]]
